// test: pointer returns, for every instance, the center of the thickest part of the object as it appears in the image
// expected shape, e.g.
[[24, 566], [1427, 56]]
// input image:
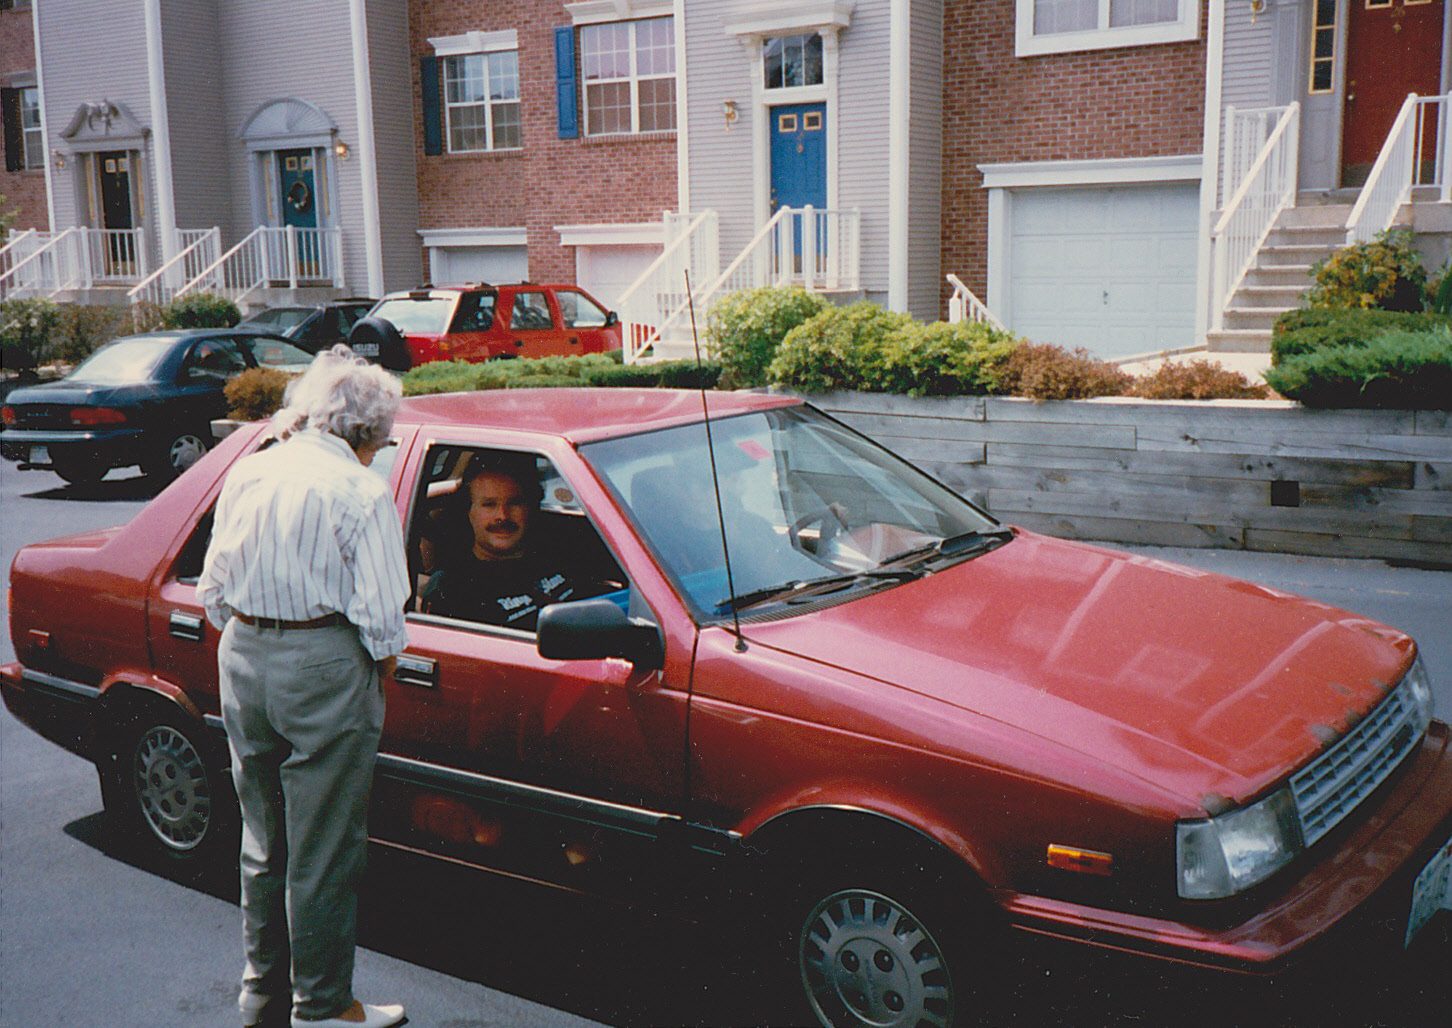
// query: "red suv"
[[482, 322]]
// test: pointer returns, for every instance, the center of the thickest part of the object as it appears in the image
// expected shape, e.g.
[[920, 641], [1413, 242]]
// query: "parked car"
[[900, 733], [483, 322], [145, 399], [311, 327]]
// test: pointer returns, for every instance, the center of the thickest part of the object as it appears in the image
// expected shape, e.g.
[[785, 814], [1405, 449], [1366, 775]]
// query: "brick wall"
[[24, 191], [550, 181], [1140, 101]]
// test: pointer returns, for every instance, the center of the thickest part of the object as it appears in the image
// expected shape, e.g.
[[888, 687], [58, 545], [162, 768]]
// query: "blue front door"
[[799, 170], [298, 180]]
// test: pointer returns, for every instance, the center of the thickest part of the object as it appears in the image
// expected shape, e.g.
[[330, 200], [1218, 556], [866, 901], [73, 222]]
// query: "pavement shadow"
[[108, 490], [627, 967]]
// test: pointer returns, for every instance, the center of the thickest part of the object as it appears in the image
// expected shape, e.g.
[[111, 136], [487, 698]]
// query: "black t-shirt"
[[510, 593]]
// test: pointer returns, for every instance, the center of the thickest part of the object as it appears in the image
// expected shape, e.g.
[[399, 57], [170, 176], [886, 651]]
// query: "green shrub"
[[1307, 330], [1043, 371], [200, 310], [1399, 370], [1385, 273], [1439, 292], [83, 327], [745, 329], [836, 348], [684, 374], [1197, 379], [526, 373], [256, 393], [27, 333], [941, 359]]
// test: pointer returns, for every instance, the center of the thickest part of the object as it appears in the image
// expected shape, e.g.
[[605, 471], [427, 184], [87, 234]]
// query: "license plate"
[[366, 349], [39, 455], [1431, 892]]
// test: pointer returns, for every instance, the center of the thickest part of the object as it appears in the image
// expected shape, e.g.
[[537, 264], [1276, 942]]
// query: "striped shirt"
[[303, 530]]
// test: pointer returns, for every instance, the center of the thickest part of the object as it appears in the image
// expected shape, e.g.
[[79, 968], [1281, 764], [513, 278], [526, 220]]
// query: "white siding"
[[862, 125], [926, 143], [393, 113], [192, 55]]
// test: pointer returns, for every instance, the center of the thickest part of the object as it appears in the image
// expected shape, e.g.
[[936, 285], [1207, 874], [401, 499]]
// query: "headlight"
[[1419, 688], [1224, 855]]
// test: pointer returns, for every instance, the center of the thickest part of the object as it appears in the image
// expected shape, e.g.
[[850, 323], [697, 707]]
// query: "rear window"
[[423, 315]]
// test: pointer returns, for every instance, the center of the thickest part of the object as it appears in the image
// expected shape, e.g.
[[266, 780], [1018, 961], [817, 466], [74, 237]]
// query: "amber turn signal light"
[[1088, 862]]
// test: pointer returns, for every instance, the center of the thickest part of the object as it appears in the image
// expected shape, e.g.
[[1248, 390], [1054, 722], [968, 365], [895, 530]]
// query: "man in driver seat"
[[502, 579]]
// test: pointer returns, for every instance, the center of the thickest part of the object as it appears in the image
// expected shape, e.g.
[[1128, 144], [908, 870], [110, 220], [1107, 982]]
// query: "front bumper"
[[1354, 891]]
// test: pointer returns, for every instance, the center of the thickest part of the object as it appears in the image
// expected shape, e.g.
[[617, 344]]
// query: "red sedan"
[[793, 668]]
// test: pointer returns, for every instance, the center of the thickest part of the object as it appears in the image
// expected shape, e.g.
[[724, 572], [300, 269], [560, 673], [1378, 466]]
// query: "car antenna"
[[715, 478]]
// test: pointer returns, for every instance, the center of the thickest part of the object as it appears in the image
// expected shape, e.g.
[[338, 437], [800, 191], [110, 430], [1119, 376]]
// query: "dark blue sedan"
[[146, 399]]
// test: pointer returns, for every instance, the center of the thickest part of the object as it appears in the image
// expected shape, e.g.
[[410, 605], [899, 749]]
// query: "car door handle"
[[574, 340], [185, 626], [419, 671], [519, 342]]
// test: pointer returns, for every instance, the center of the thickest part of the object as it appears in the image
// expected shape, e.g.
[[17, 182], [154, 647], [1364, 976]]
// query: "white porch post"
[[161, 134], [367, 148], [1206, 293], [899, 108]]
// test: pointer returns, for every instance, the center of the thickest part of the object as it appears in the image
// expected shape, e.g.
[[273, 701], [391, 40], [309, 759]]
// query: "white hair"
[[343, 394]]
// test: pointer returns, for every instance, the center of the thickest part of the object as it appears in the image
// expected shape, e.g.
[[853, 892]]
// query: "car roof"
[[580, 415]]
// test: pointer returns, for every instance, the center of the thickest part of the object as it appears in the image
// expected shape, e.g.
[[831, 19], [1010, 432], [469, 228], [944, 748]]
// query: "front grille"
[[1332, 785]]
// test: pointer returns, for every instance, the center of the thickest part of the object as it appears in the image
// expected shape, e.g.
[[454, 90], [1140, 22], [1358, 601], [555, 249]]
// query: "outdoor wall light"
[[59, 159], [341, 149], [1257, 8], [728, 108]]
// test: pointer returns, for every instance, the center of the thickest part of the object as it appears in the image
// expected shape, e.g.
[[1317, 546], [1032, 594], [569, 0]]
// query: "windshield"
[[804, 500], [125, 360], [424, 315]]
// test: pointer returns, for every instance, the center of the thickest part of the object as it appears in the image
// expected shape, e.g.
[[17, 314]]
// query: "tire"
[[166, 790], [79, 469], [180, 449], [888, 945], [380, 341]]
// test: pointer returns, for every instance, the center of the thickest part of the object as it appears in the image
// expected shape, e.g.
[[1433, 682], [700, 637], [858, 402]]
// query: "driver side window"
[[497, 535], [214, 359]]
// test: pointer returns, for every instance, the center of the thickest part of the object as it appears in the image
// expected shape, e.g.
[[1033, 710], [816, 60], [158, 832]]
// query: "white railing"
[[1269, 186], [114, 255], [199, 250], [1246, 132], [1415, 154], [44, 263], [287, 256], [656, 299], [964, 306]]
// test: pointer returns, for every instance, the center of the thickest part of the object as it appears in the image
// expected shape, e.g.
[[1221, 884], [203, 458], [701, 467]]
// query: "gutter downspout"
[[160, 133], [898, 136], [1210, 165], [367, 147]]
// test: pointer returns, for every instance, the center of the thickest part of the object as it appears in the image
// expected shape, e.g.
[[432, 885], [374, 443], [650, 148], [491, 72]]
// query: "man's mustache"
[[502, 526]]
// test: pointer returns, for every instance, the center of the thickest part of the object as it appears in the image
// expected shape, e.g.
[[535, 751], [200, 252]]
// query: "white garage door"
[[1111, 269], [497, 264], [607, 271]]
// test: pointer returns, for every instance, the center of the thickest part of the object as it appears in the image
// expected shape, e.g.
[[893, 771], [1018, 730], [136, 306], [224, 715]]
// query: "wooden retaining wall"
[[1255, 475]]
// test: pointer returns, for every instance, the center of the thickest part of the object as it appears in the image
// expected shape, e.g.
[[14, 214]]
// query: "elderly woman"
[[306, 577]]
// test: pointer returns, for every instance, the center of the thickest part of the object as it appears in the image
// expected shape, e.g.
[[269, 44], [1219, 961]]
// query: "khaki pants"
[[304, 712]]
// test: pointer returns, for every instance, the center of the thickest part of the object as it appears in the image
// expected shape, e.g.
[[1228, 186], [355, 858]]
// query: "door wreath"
[[299, 196]]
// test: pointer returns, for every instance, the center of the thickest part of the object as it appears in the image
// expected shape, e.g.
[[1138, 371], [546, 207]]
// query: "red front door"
[[1393, 47]]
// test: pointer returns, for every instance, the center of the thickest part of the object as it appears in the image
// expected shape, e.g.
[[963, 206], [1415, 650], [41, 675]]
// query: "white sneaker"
[[373, 1017]]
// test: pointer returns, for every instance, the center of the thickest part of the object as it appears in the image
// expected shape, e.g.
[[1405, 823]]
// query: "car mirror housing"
[[594, 629], [611, 318]]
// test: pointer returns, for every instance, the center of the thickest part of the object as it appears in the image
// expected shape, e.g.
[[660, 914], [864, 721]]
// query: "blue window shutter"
[[433, 120], [565, 92]]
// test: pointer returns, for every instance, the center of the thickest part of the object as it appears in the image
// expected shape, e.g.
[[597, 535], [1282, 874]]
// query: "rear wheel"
[[79, 468]]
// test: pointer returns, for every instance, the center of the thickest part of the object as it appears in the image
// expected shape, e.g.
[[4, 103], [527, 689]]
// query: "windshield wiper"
[[812, 587], [967, 544]]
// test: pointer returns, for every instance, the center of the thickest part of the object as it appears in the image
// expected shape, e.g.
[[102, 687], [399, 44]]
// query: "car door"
[[556, 770], [195, 397], [534, 327], [589, 327]]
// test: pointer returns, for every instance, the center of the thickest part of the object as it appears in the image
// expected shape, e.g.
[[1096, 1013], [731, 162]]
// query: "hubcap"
[[185, 451], [867, 963], [172, 788]]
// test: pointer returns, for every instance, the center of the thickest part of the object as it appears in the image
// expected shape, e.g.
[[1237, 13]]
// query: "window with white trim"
[[1063, 26], [481, 101], [790, 61], [629, 73], [30, 127]]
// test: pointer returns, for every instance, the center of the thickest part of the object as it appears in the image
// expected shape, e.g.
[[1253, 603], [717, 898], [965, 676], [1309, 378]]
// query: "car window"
[[497, 535], [476, 313], [579, 311], [274, 353], [125, 360], [279, 318], [423, 314], [531, 310], [216, 359], [348, 316]]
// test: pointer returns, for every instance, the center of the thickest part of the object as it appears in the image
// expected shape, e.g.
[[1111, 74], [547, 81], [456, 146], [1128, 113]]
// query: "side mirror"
[[611, 318], [595, 629]]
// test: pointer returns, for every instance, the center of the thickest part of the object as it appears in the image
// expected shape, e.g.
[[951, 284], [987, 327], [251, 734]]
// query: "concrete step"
[[1326, 215], [1259, 319], [1231, 340], [1297, 255], [1331, 237], [1279, 297], [1289, 276]]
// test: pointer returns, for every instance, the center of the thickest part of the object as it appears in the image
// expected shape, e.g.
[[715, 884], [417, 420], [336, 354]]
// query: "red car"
[[481, 322], [909, 733]]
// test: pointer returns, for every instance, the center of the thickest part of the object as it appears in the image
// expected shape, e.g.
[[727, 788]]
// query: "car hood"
[[1203, 684]]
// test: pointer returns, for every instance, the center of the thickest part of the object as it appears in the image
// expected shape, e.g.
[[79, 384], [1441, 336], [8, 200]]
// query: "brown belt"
[[326, 621]]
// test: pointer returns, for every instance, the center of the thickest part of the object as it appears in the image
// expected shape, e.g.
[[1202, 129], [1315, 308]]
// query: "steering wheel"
[[829, 518]]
